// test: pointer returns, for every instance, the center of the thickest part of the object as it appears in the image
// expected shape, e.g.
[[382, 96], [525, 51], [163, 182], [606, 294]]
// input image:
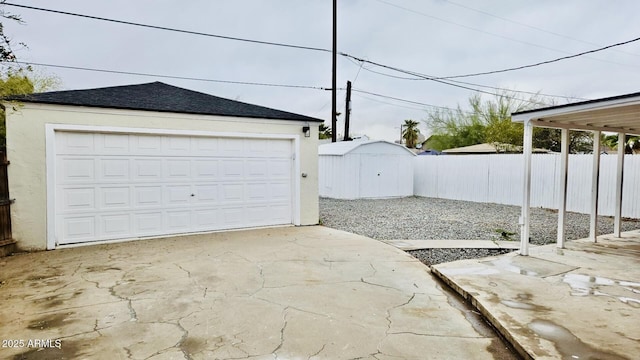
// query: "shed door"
[[120, 186], [379, 176]]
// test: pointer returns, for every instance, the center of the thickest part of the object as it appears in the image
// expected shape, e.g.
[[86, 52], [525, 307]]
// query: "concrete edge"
[[502, 330], [452, 244]]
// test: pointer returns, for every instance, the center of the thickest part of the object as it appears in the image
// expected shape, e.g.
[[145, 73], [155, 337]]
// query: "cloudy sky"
[[438, 38]]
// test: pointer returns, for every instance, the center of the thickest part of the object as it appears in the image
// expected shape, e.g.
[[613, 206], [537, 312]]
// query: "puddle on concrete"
[[517, 305], [568, 345], [506, 263], [585, 285]]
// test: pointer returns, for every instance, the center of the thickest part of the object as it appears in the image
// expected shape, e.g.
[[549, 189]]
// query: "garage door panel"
[[118, 186], [147, 169], [178, 221], [77, 229], [206, 169], [232, 169], [115, 225], [114, 169], [76, 170], [78, 199], [177, 195], [75, 143], [280, 169], [279, 191], [231, 147], [178, 169], [206, 146], [115, 197], [147, 223], [280, 214], [147, 196], [256, 169], [113, 144], [206, 219], [258, 215], [176, 146], [232, 192], [231, 217], [147, 145], [206, 194], [279, 148], [257, 191]]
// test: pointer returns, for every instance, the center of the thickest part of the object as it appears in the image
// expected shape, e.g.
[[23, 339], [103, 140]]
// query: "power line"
[[530, 26], [486, 32], [171, 77], [423, 76], [401, 100], [543, 62], [414, 78], [301, 47]]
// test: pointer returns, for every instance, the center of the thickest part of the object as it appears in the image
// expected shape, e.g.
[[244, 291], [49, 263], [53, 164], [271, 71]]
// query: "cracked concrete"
[[282, 293], [581, 302]]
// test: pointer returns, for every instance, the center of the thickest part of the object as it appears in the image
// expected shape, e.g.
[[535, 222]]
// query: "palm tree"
[[410, 133], [324, 132]]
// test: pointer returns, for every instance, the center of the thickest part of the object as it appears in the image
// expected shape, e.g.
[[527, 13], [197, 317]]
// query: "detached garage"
[[365, 169], [152, 160]]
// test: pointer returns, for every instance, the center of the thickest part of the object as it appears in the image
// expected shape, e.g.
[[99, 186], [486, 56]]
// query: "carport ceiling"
[[614, 114]]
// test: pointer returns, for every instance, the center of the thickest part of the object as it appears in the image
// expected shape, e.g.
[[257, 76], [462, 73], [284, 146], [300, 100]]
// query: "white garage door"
[[119, 186]]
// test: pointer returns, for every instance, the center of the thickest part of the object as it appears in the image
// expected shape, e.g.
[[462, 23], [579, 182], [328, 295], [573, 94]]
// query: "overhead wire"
[[489, 33], [408, 72], [293, 46], [171, 76], [530, 26]]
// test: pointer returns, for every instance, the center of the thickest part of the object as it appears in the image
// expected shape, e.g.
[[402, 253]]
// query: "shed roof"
[[345, 147], [616, 114], [158, 96]]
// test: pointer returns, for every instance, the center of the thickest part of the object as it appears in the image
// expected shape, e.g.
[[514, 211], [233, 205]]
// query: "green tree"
[[490, 122], [410, 133], [324, 132], [631, 146]]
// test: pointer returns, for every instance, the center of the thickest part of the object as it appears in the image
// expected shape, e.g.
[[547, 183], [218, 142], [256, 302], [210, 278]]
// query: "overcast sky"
[[435, 37]]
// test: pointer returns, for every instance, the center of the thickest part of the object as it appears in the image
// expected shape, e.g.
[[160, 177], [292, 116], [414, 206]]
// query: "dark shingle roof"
[[158, 96]]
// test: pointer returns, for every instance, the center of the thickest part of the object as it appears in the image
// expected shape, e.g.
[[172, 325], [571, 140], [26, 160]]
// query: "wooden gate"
[[5, 201]]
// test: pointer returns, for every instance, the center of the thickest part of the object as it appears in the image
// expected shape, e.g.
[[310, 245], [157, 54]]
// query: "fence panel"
[[498, 179]]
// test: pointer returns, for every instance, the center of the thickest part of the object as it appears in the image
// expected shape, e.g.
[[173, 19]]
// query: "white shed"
[[365, 169]]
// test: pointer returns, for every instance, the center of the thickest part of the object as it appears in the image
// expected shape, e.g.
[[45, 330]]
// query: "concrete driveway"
[[282, 293]]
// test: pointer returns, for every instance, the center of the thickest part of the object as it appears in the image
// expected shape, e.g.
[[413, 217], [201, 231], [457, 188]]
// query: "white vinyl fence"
[[498, 179]]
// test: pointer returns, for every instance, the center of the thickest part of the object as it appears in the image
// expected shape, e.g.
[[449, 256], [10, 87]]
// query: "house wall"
[[498, 179], [26, 151]]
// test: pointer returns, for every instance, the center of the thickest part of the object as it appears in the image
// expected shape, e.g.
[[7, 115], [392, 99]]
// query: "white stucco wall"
[[26, 152]]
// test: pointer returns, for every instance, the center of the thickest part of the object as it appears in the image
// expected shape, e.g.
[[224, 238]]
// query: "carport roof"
[[158, 96], [615, 114]]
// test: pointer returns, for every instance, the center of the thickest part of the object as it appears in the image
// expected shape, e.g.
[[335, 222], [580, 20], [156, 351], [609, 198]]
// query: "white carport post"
[[595, 177], [563, 179], [617, 223], [526, 188]]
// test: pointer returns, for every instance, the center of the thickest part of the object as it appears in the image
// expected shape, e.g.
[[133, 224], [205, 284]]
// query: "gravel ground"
[[419, 218]]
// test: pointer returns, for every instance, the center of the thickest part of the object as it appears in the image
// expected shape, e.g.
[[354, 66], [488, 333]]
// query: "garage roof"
[[158, 96], [614, 114]]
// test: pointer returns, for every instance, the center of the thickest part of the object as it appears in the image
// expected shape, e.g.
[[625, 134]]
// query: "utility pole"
[[347, 112], [334, 114]]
